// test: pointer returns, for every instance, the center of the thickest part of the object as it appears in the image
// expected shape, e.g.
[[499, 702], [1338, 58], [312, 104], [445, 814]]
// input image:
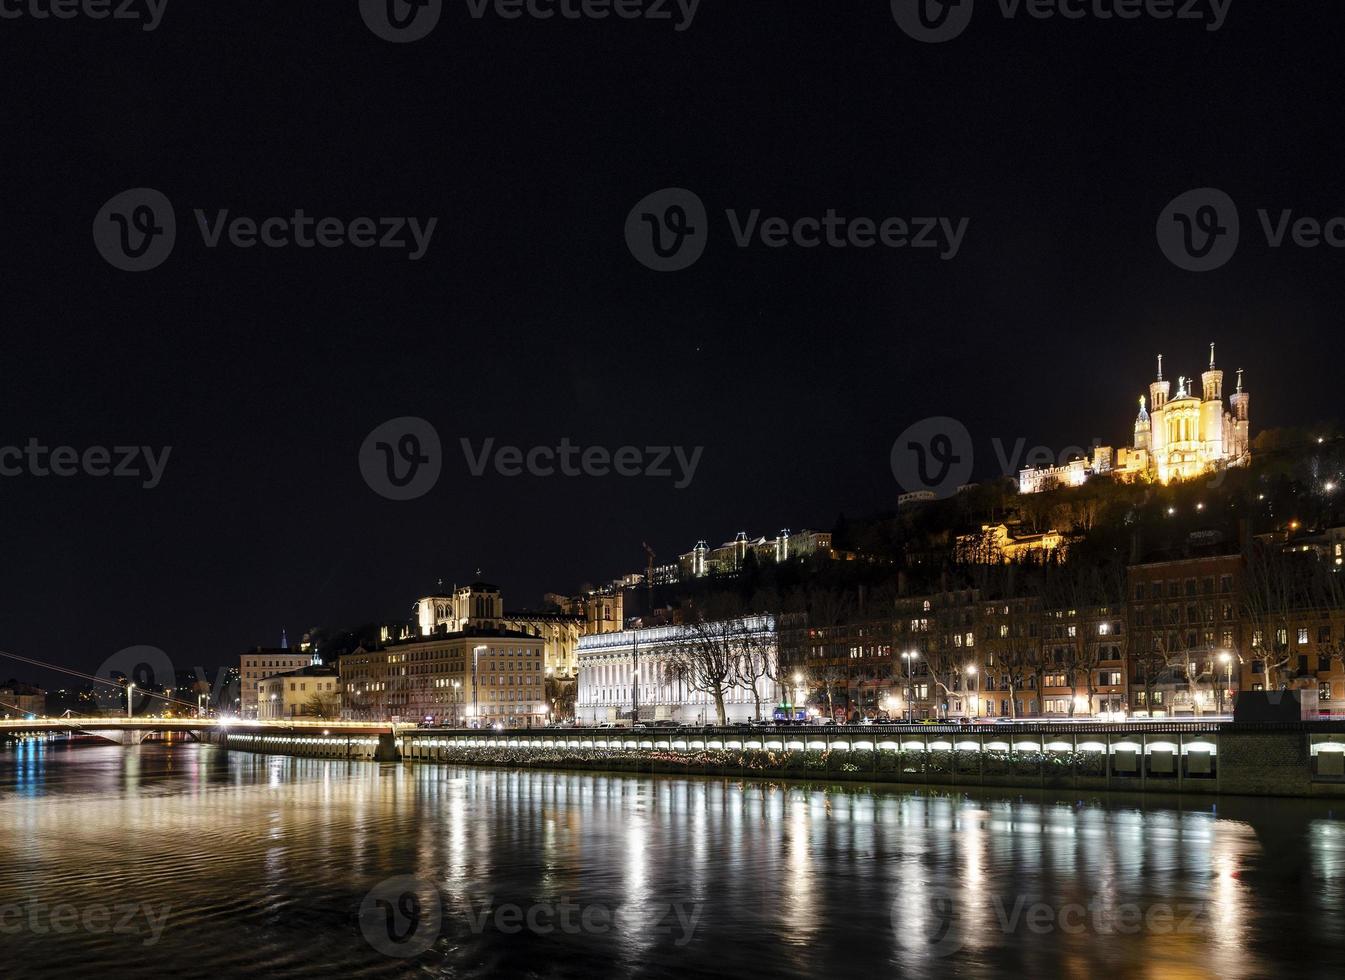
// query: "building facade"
[[481, 606], [703, 561], [634, 674], [312, 693], [19, 700], [261, 663], [476, 677]]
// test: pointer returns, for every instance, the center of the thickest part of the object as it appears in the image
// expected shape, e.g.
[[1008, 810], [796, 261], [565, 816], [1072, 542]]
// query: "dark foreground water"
[[190, 862]]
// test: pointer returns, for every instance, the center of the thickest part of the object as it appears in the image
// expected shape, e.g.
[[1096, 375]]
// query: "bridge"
[[133, 731]]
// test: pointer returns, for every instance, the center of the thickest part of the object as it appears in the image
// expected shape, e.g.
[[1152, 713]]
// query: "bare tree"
[[756, 666], [708, 658], [1273, 590], [1016, 647], [325, 705], [1084, 596]]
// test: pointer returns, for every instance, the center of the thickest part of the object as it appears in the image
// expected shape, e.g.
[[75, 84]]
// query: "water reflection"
[[263, 863]]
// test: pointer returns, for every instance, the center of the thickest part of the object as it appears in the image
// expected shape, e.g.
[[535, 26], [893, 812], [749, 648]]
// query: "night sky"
[[528, 319]]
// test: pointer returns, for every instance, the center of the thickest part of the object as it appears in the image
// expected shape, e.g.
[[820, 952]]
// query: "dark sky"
[[528, 320]]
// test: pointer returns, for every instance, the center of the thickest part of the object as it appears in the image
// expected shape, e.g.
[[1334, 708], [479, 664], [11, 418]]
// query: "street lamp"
[[976, 697], [909, 656], [1226, 659], [275, 712], [130, 690], [476, 697], [457, 688]]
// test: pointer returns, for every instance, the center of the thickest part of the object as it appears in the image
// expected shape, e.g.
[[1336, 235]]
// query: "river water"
[[187, 861]]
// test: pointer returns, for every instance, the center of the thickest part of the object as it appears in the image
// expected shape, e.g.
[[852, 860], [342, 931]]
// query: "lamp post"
[[476, 697], [909, 656], [635, 678], [130, 690], [457, 693], [275, 711], [1226, 659], [798, 692], [976, 695]]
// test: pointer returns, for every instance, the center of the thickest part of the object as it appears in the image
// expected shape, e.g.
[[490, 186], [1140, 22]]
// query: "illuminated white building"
[[608, 676]]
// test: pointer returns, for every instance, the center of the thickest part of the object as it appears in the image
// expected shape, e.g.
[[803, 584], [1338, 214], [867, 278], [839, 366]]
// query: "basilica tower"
[[1158, 399], [1212, 409]]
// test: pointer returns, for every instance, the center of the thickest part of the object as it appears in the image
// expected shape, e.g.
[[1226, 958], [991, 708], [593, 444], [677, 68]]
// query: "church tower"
[[1142, 424], [1158, 399], [1212, 410], [1241, 403]]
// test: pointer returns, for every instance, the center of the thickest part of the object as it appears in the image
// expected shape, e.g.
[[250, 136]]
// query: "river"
[[188, 861]]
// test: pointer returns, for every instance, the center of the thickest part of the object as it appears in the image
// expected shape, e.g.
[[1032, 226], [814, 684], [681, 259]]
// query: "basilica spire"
[[1211, 357], [1160, 367]]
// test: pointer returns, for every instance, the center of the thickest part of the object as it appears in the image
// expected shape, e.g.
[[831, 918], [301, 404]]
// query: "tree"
[[323, 704], [560, 694], [708, 657], [1017, 649], [1085, 594], [1275, 586]]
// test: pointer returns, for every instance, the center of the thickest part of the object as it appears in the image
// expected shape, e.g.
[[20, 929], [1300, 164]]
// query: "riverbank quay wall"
[[1300, 760]]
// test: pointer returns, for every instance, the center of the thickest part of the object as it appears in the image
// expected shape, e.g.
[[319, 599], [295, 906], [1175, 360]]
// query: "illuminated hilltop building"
[[1177, 437]]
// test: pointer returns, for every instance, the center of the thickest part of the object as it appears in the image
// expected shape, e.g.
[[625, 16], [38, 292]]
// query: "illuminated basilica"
[[1177, 436]]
